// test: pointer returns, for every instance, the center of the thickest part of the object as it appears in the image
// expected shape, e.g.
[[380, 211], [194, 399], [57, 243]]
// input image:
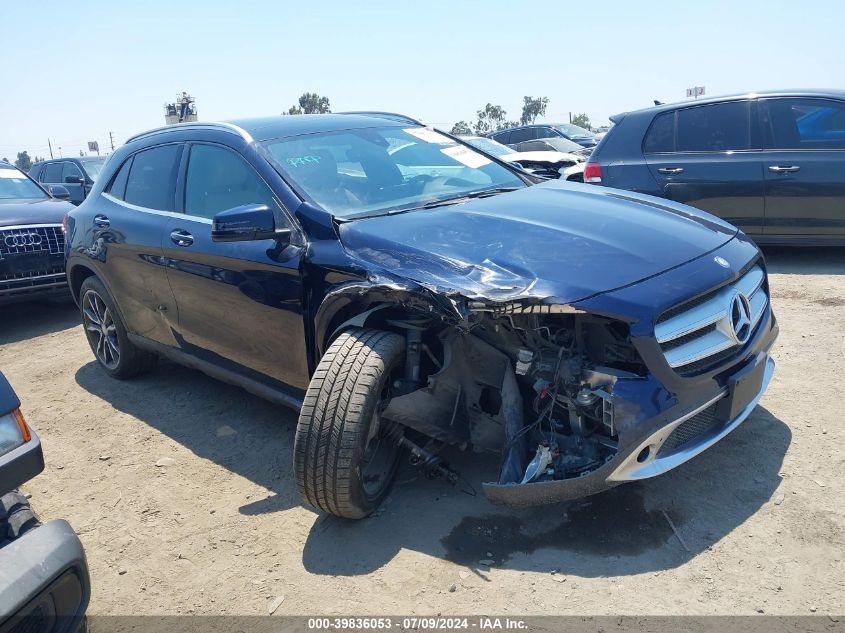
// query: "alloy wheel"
[[100, 329]]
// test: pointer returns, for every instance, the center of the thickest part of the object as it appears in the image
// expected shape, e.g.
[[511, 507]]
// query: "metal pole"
[[51, 148], [111, 139]]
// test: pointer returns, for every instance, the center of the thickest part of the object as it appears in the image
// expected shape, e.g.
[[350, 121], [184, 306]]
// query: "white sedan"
[[552, 164]]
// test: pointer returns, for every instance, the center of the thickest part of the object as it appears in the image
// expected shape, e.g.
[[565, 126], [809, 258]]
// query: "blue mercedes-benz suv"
[[405, 292]]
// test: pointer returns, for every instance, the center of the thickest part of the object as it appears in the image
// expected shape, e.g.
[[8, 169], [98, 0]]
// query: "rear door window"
[[804, 123], [502, 137], [660, 137], [521, 134], [117, 188], [719, 127], [52, 173], [152, 178]]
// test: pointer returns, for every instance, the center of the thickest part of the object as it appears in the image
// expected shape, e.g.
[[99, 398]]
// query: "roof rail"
[[220, 125], [393, 116]]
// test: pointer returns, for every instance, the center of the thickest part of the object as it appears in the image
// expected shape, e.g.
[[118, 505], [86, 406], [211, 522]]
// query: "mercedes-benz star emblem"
[[740, 318], [18, 240], [722, 262]]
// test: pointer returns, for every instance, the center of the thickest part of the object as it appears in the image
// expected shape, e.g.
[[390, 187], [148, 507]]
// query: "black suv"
[[405, 292], [32, 241], [76, 174], [773, 163]]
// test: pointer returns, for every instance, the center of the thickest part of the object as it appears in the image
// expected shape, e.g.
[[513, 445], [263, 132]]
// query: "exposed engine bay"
[[532, 383]]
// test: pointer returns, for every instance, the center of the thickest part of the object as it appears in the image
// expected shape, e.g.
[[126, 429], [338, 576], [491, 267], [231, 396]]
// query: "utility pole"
[[111, 139], [51, 148], [570, 117]]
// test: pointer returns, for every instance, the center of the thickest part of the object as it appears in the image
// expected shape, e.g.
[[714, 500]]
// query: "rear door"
[[709, 157], [804, 167], [128, 224], [240, 303]]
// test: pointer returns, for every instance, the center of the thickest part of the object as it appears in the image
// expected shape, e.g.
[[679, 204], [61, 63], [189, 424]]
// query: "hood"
[[44, 211], [555, 241]]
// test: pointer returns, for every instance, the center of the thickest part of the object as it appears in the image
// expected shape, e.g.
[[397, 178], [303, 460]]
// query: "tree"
[[532, 108], [5, 160], [311, 103], [461, 127], [24, 162], [581, 120], [492, 118]]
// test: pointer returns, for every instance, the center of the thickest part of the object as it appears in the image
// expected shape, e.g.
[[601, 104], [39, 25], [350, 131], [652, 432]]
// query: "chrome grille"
[[40, 238], [32, 239], [712, 327]]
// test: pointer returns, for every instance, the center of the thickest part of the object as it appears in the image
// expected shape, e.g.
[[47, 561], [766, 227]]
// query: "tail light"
[[64, 224], [592, 172]]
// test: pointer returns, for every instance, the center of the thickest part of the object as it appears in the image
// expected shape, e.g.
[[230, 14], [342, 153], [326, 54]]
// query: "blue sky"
[[73, 72]]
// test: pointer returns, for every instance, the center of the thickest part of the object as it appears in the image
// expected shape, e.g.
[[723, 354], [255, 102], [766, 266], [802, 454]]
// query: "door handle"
[[784, 169], [181, 237], [671, 170], [101, 221]]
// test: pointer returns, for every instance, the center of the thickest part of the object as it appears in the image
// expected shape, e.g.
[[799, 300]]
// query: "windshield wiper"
[[442, 202], [483, 193]]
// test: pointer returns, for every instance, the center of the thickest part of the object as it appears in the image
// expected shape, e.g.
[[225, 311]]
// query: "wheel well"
[[77, 275]]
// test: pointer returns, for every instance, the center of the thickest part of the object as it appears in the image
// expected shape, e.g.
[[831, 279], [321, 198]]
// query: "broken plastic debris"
[[539, 464]]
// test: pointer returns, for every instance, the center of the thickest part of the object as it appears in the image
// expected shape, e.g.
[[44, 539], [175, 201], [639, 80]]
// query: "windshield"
[[375, 171], [489, 145], [93, 166], [14, 185], [573, 131]]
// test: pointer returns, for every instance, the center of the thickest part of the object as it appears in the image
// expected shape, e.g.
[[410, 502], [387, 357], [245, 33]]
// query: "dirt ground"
[[221, 529]]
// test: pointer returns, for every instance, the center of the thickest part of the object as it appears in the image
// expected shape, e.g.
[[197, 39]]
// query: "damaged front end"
[[533, 383]]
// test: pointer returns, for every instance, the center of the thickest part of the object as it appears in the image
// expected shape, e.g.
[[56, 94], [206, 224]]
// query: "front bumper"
[[44, 582], [652, 410], [48, 286], [648, 460]]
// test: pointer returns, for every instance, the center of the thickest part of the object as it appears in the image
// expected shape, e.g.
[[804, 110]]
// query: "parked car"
[[44, 583], [76, 174], [516, 135], [773, 163], [31, 238], [405, 300], [554, 144], [548, 163]]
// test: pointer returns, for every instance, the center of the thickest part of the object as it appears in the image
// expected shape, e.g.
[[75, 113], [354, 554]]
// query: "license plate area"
[[743, 387], [17, 263]]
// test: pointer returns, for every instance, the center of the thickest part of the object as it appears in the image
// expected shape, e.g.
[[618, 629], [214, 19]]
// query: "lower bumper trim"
[[636, 467]]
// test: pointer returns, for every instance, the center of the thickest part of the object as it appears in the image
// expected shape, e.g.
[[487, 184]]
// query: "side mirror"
[[74, 180], [58, 191], [246, 223]]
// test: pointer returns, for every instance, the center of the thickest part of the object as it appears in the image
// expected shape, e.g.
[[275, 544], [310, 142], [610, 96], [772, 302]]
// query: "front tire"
[[344, 461], [106, 333]]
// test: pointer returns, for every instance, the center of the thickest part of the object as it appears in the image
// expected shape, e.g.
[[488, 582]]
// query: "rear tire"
[[106, 333], [343, 464]]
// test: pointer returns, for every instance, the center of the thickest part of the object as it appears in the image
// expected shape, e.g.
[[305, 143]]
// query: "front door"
[[804, 163], [709, 157], [240, 303]]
